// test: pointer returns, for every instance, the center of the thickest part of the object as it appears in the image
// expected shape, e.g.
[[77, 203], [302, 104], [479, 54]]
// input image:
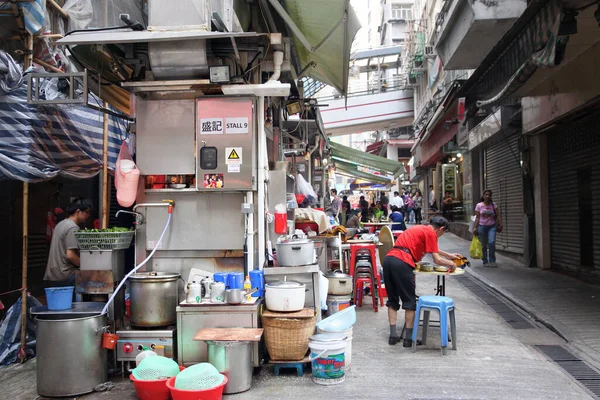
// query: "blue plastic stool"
[[445, 306], [298, 366]]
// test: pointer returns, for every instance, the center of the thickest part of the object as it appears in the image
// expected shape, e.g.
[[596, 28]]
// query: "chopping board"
[[304, 313], [230, 334]]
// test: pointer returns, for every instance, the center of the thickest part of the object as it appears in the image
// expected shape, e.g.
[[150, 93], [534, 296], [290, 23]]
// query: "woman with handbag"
[[488, 222]]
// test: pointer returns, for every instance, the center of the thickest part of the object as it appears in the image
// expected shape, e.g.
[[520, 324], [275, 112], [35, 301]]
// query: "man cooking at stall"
[[63, 259], [398, 271]]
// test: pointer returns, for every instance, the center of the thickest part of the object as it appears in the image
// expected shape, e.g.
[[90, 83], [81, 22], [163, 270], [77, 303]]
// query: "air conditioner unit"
[[429, 52]]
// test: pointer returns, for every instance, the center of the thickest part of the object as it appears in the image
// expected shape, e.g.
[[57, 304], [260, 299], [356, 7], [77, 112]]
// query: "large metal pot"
[[339, 283], [295, 252], [70, 357], [285, 296], [154, 299]]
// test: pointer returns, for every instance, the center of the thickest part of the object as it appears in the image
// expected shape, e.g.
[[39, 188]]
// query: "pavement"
[[496, 357], [566, 305]]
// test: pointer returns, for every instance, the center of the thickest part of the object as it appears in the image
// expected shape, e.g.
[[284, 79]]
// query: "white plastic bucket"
[[348, 352], [328, 360], [337, 304]]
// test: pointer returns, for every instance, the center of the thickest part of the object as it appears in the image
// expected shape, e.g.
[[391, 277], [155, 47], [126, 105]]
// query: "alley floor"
[[496, 359]]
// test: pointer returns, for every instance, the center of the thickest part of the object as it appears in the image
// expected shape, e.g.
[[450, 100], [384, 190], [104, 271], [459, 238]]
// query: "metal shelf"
[[170, 190], [306, 269]]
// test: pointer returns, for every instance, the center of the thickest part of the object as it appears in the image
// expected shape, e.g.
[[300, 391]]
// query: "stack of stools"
[[363, 268]]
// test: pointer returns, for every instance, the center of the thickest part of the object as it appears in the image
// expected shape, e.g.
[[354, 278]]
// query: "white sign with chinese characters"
[[211, 126], [236, 125]]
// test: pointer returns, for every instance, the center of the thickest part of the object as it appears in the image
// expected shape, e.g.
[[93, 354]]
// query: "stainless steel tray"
[[78, 310]]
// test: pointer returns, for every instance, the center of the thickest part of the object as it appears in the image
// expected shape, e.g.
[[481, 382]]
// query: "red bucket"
[[109, 340], [152, 390], [215, 393]]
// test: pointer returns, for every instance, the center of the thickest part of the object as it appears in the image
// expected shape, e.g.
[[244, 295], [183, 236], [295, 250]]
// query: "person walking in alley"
[[397, 201], [336, 204], [432, 203], [63, 259], [488, 222], [418, 206], [398, 266]]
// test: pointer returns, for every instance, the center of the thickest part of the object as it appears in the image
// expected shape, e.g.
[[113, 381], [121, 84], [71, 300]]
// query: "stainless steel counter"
[[192, 318]]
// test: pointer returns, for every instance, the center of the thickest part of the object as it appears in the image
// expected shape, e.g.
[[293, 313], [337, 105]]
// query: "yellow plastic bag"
[[476, 250]]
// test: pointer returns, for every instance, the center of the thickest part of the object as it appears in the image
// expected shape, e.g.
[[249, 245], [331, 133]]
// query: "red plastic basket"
[[152, 390], [215, 393]]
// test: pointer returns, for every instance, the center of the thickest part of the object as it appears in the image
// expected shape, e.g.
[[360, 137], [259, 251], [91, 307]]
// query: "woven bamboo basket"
[[287, 338]]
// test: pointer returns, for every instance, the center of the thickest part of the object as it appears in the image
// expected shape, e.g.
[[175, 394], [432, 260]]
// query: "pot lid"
[[145, 276], [285, 284], [337, 274]]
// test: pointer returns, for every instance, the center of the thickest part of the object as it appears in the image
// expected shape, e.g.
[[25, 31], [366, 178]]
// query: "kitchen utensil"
[[295, 252], [462, 262], [440, 268], [152, 368], [234, 296], [207, 283], [285, 295], [339, 321], [426, 268], [199, 377], [193, 292], [257, 278], [217, 294], [68, 343], [235, 280], [154, 299], [177, 185], [339, 283]]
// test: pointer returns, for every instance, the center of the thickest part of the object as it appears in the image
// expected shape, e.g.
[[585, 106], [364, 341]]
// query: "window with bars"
[[402, 11]]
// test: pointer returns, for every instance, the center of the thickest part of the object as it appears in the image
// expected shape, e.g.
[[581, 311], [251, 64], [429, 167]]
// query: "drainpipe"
[[250, 233], [262, 144], [277, 62]]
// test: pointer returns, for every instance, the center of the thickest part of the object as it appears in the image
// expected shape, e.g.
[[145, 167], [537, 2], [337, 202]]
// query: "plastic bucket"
[[235, 280], [221, 277], [257, 278], [337, 303], [280, 224], [152, 390], [215, 393], [59, 298], [328, 360], [348, 352], [109, 340]]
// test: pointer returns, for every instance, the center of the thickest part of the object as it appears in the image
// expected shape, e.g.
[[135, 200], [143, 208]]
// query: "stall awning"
[[348, 155], [354, 171], [322, 32]]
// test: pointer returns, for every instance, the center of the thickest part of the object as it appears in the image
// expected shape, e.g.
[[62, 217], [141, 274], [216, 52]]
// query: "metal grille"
[[504, 178], [509, 314], [579, 370], [571, 147]]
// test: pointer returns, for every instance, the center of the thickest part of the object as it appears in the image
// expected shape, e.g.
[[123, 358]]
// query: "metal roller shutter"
[[504, 177], [572, 149]]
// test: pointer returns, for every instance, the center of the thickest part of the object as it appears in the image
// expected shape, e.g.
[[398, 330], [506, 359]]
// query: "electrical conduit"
[[110, 300]]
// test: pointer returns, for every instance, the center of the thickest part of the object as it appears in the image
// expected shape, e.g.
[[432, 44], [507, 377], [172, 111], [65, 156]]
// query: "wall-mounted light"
[[459, 155]]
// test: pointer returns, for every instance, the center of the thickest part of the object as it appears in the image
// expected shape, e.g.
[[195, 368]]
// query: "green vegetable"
[[115, 229]]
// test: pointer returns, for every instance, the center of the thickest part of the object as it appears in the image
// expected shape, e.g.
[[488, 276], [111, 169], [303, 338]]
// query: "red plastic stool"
[[354, 249], [359, 287]]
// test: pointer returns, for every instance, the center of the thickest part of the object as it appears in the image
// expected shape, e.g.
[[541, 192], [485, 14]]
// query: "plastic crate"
[[104, 240]]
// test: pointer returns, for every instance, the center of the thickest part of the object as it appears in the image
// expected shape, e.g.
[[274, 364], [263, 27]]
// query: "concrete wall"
[[472, 28]]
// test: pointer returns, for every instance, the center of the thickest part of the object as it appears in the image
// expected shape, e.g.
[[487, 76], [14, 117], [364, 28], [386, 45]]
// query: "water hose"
[[110, 300]]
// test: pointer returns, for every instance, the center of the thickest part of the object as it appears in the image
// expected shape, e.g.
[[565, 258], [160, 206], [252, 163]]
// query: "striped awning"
[[542, 45]]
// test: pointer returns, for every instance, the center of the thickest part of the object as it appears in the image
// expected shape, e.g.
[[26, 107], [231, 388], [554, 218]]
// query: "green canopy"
[[346, 157], [327, 28]]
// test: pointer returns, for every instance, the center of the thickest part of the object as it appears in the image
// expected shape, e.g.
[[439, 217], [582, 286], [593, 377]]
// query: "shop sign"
[[485, 129]]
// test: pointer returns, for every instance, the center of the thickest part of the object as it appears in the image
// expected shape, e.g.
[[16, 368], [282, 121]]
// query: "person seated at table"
[[397, 217], [378, 211], [447, 206], [354, 220], [398, 271]]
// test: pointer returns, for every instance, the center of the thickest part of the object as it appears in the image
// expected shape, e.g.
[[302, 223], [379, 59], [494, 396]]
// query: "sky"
[[361, 8]]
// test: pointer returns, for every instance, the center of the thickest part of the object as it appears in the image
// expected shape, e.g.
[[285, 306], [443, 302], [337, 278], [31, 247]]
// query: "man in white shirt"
[[431, 197], [397, 201]]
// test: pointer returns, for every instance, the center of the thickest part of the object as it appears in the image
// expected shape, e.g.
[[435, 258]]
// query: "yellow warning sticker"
[[233, 155]]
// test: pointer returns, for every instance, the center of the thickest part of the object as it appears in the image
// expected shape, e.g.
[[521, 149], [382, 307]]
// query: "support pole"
[[105, 200], [262, 140], [27, 62]]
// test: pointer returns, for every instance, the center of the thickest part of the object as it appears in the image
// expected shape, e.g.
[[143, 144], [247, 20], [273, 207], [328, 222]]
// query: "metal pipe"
[[139, 217], [165, 204], [262, 143], [250, 233]]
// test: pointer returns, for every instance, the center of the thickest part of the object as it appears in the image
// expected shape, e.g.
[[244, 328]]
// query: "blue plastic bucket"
[[235, 280], [59, 298], [257, 278], [221, 277]]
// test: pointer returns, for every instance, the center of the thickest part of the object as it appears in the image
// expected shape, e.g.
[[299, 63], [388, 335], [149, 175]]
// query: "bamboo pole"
[[58, 8], [105, 200], [46, 65]]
